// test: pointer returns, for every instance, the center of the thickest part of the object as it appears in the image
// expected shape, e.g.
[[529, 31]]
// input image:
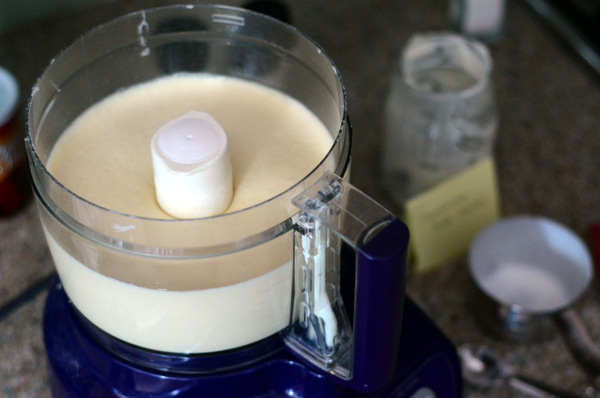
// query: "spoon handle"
[[580, 343], [536, 389]]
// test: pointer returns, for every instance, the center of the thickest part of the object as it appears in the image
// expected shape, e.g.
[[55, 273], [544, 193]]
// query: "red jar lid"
[[9, 95]]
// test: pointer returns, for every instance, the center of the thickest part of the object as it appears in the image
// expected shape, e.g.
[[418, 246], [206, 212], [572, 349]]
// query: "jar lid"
[[9, 95]]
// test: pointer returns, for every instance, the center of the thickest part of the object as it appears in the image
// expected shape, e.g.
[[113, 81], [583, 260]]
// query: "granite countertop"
[[547, 156]]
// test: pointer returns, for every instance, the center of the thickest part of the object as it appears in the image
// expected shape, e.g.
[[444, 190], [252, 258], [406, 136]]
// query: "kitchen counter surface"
[[547, 153]]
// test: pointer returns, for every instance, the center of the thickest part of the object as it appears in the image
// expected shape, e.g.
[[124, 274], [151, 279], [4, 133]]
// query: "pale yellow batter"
[[183, 305], [105, 155]]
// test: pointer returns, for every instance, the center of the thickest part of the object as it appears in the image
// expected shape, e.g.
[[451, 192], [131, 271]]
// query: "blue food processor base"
[[84, 363]]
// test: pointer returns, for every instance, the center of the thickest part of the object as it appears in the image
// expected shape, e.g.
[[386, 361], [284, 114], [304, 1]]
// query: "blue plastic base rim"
[[80, 367]]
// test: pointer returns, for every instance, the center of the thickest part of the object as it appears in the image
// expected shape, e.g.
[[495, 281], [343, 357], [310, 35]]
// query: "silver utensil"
[[482, 368]]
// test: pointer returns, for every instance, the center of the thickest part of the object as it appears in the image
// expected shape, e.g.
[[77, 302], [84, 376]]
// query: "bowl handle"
[[350, 258]]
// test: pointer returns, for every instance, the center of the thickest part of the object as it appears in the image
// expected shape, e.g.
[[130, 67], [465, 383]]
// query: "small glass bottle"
[[14, 185], [480, 19]]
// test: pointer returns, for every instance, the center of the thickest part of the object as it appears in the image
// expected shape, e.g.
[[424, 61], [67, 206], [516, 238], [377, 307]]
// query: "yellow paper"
[[443, 220]]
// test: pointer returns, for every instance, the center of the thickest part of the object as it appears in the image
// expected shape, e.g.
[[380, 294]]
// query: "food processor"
[[307, 288]]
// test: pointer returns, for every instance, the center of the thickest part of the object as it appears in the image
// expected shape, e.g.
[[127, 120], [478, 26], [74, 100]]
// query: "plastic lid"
[[194, 138], [192, 168], [9, 95]]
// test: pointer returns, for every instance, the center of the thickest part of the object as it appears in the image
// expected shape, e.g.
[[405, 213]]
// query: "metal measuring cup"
[[531, 270]]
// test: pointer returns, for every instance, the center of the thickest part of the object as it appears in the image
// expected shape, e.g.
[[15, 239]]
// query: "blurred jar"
[[440, 115], [14, 185]]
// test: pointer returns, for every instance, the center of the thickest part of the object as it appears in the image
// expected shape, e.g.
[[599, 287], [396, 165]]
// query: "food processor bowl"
[[173, 285]]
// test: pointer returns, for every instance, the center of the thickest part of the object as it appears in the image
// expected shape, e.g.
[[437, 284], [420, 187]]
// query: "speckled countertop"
[[548, 157]]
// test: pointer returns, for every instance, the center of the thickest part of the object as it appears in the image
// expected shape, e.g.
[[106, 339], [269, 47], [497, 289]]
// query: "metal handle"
[[580, 343], [536, 389]]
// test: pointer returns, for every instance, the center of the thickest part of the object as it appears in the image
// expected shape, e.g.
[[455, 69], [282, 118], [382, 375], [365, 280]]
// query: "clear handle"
[[350, 265]]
